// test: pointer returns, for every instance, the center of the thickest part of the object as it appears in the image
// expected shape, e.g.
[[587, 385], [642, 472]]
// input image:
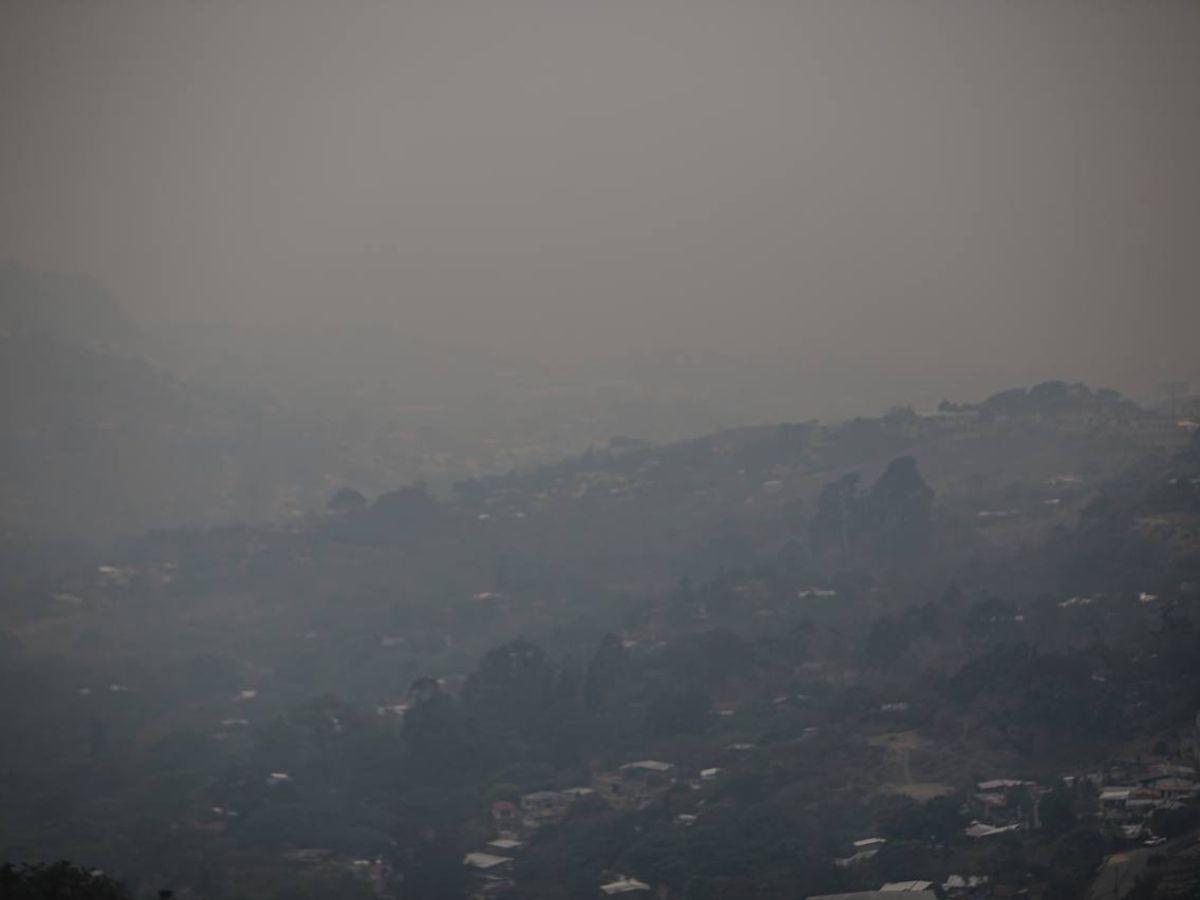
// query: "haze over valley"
[[549, 450]]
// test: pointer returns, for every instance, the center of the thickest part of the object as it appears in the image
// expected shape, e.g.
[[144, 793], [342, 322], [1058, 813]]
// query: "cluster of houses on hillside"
[[1127, 795], [864, 849], [1123, 797], [632, 786], [955, 887], [1131, 793]]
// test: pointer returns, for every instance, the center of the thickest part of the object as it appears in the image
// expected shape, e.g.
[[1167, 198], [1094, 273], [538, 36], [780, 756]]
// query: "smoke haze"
[[935, 187]]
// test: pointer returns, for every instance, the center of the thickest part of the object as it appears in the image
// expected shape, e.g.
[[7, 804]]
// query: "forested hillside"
[[852, 624]]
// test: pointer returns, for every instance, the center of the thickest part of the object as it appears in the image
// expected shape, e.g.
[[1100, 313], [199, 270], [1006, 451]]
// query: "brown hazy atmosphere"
[[947, 186], [554, 449]]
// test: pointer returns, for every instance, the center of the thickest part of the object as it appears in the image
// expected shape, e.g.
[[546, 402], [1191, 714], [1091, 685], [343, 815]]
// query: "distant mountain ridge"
[[71, 309], [113, 428], [98, 441]]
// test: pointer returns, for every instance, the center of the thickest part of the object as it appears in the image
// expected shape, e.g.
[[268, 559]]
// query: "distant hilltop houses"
[[632, 786]]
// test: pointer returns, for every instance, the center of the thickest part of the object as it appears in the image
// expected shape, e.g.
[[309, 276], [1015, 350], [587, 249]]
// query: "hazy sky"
[[941, 184]]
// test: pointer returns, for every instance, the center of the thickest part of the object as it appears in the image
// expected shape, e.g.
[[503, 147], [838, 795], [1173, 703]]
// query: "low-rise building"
[[982, 830], [542, 806], [487, 862], [862, 856], [647, 767], [1171, 787], [505, 815], [869, 843], [624, 885], [636, 784], [964, 885], [1115, 799], [506, 846]]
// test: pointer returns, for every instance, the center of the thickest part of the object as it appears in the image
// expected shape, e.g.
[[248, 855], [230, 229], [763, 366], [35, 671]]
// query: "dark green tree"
[[835, 523], [347, 500], [604, 672], [439, 745], [512, 686], [898, 509], [57, 881], [1056, 810]]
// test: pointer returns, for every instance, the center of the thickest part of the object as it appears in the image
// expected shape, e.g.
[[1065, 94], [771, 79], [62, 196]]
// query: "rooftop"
[[649, 765], [624, 886], [484, 860], [958, 881], [980, 830], [506, 844], [542, 796], [999, 784]]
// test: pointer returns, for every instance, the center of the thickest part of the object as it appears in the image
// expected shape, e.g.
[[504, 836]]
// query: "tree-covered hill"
[[399, 660]]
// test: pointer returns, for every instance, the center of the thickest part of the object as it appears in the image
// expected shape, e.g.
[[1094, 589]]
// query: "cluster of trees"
[[522, 711], [893, 519], [1048, 398], [60, 881]]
